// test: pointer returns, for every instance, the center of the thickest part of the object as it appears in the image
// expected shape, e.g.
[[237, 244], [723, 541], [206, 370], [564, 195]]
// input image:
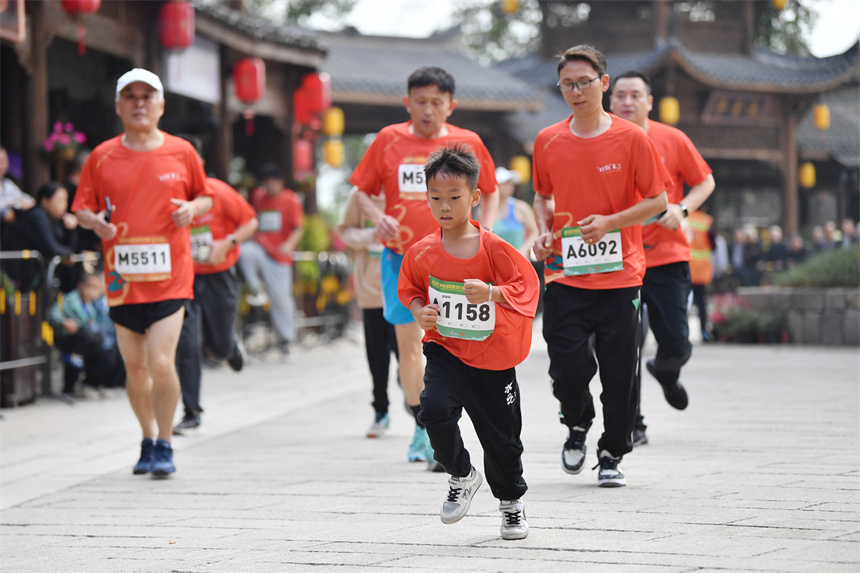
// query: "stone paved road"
[[761, 473]]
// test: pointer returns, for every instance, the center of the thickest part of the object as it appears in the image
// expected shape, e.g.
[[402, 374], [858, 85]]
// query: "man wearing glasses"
[[666, 286], [597, 178]]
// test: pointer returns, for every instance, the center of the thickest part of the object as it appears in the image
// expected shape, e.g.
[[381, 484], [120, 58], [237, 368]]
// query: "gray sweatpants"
[[255, 263]]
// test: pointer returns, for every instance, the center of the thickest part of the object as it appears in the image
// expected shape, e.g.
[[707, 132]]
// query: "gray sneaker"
[[573, 451], [610, 474], [514, 524], [461, 490]]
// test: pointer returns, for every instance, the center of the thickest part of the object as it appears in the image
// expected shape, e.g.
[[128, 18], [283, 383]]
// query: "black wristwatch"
[[235, 242], [684, 210]]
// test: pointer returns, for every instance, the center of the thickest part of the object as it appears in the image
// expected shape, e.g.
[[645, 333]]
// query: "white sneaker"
[[380, 425], [514, 524], [460, 493], [256, 298]]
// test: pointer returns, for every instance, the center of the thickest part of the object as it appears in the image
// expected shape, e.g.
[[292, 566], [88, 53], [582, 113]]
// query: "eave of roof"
[[841, 140], [259, 37], [372, 70]]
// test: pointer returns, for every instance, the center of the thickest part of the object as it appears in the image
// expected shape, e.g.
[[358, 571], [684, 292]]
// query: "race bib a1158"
[[458, 318]]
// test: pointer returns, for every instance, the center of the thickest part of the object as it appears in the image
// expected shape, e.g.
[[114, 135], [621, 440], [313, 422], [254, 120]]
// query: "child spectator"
[[83, 326], [475, 296]]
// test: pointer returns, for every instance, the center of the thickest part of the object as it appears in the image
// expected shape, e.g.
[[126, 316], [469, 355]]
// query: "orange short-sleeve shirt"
[[394, 166], [229, 211], [602, 175], [686, 166], [140, 186]]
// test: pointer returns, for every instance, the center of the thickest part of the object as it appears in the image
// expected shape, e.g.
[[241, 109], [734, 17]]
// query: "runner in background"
[[210, 319], [666, 286], [393, 166]]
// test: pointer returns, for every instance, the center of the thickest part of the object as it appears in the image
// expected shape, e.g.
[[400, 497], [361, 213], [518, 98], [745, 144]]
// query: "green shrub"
[[836, 268]]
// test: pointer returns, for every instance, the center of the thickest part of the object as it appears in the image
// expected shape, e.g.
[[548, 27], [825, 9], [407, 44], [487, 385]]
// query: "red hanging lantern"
[[176, 20], [317, 88], [249, 81], [301, 113], [303, 155], [77, 7]]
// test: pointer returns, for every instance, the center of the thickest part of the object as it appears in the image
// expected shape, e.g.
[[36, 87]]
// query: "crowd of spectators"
[[753, 254]]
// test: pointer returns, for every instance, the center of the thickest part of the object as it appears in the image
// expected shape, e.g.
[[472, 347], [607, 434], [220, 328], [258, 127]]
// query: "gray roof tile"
[[842, 140]]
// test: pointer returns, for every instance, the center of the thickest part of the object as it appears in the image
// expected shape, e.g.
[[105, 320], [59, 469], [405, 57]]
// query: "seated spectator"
[[46, 228], [796, 251], [82, 326]]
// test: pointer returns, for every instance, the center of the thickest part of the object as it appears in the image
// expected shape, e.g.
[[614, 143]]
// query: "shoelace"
[[607, 463], [513, 517], [454, 493]]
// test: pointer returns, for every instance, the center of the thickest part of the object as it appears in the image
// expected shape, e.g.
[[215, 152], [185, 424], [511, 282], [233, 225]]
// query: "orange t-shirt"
[[597, 176], [229, 211], [685, 165], [149, 260], [279, 216], [394, 165], [496, 263]]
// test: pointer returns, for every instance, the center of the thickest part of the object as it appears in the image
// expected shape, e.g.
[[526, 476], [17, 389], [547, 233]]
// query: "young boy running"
[[475, 296]]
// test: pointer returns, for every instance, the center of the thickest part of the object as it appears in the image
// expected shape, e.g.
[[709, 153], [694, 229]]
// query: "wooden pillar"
[[790, 167], [35, 168], [224, 137]]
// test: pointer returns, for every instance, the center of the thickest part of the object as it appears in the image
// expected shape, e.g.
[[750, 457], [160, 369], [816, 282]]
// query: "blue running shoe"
[[144, 464], [162, 464], [420, 445]]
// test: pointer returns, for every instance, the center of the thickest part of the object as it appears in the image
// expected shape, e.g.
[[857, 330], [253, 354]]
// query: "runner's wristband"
[[490, 298]]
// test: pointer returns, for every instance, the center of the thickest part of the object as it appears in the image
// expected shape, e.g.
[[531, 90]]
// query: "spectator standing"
[[849, 233], [393, 166], [597, 177], [797, 251], [267, 259], [700, 231], [380, 341], [139, 192], [776, 257]]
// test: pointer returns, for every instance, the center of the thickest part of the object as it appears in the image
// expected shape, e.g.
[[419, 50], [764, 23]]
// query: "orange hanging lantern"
[[779, 4], [670, 110], [523, 166], [807, 175], [77, 7], [249, 81], [176, 22], [333, 152], [821, 116], [510, 6], [303, 156], [333, 122]]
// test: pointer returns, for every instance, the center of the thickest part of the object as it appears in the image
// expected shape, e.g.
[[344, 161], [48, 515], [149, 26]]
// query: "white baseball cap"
[[504, 175], [139, 75]]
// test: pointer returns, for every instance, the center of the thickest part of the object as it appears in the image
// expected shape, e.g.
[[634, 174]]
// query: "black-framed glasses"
[[568, 86]]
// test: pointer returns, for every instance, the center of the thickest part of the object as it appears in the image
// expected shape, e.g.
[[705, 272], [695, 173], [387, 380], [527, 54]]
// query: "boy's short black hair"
[[429, 76], [451, 162], [633, 74]]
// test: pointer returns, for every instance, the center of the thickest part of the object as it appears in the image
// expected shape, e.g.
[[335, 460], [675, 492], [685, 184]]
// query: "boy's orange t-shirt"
[[229, 211], [394, 165], [496, 263], [685, 165], [140, 186], [597, 176], [279, 216]]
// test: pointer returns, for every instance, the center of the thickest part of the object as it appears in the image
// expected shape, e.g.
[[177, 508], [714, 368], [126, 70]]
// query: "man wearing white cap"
[[139, 192]]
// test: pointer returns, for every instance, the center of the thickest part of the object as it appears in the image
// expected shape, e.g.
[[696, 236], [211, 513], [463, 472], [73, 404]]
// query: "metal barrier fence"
[[321, 288]]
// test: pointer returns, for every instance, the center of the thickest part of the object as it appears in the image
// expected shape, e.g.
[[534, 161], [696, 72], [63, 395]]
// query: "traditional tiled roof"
[[373, 70], [769, 72], [842, 140], [260, 29]]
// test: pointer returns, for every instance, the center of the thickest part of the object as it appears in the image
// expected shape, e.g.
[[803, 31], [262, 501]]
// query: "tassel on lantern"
[[248, 114]]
